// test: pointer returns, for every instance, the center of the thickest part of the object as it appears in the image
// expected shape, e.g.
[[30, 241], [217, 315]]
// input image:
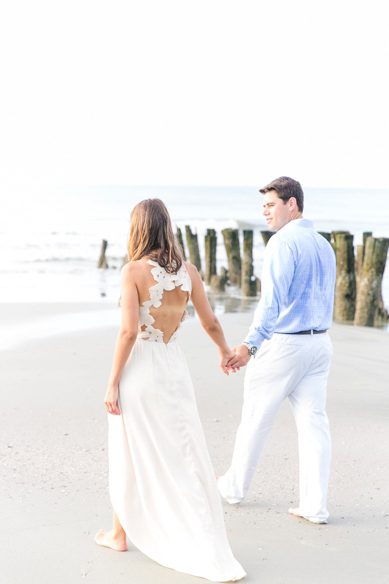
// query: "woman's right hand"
[[225, 356], [111, 400]]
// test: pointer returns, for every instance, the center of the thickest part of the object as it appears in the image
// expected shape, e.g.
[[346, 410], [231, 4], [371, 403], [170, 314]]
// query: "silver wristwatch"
[[252, 349]]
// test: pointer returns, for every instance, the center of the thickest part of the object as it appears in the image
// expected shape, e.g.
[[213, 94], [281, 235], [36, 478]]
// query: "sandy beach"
[[54, 481]]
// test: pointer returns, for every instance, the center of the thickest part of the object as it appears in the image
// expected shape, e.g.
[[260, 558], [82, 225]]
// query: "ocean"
[[51, 237]]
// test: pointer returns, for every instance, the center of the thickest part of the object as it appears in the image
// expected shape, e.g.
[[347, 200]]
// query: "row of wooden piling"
[[359, 278], [240, 268], [358, 296]]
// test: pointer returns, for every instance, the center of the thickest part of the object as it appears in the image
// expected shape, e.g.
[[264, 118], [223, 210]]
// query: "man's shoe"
[[296, 513]]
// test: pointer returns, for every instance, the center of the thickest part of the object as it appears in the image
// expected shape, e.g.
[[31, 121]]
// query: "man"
[[288, 351]]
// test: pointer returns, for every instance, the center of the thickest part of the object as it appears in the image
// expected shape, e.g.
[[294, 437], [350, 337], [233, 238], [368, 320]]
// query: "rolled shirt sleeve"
[[277, 275]]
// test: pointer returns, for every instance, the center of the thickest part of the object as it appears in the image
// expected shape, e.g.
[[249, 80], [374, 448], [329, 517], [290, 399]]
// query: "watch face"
[[252, 350]]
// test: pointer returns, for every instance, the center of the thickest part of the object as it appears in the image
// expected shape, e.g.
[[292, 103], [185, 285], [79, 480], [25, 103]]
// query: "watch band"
[[252, 348]]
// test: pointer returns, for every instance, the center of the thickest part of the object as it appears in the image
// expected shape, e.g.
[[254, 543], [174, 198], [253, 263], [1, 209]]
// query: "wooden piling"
[[335, 233], [333, 237], [381, 315], [374, 261], [210, 255], [360, 256], [344, 309], [358, 265], [365, 235], [266, 235], [231, 242], [218, 283], [102, 263], [181, 242], [193, 247], [249, 283]]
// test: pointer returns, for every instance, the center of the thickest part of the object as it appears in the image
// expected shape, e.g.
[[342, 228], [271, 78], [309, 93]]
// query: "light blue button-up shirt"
[[298, 282]]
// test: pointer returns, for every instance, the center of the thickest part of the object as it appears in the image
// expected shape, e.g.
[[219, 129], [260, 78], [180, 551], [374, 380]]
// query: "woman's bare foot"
[[111, 540]]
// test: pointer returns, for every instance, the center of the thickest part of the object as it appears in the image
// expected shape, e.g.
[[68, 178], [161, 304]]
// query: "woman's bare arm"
[[208, 319], [127, 335]]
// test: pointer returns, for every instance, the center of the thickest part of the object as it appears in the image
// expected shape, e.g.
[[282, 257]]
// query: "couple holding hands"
[[162, 486]]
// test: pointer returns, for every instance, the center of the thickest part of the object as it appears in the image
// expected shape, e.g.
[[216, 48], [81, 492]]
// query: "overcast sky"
[[203, 92]]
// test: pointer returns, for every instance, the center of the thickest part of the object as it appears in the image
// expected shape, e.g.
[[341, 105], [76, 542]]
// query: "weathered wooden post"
[[218, 283], [249, 283], [358, 265], [231, 242], [210, 255], [374, 261], [381, 315], [266, 235], [102, 263], [345, 295], [333, 237], [193, 246], [335, 233], [365, 235], [326, 235], [359, 257], [181, 242]]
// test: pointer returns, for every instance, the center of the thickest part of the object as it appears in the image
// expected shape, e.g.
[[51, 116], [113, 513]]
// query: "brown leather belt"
[[309, 332]]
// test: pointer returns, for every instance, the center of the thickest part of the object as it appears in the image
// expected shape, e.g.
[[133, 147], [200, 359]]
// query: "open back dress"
[[161, 480]]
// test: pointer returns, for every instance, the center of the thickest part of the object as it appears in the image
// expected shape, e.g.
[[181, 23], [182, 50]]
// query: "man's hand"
[[241, 357]]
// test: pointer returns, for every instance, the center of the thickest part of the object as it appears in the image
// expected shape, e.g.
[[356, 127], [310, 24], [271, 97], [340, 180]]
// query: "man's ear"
[[292, 203]]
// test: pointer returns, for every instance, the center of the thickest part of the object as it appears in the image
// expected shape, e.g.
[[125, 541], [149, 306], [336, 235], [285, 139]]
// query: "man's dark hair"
[[286, 188]]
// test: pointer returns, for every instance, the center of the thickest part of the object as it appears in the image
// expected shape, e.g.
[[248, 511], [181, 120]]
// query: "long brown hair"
[[151, 234]]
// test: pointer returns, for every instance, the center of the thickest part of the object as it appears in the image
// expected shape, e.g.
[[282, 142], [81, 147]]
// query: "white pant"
[[294, 366]]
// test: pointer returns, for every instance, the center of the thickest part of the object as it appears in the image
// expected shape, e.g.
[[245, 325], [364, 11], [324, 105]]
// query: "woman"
[[162, 486]]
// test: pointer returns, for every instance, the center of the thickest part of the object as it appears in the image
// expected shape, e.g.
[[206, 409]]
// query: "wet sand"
[[53, 453]]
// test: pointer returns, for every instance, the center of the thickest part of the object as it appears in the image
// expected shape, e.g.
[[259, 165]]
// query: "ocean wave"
[[54, 259], [73, 259]]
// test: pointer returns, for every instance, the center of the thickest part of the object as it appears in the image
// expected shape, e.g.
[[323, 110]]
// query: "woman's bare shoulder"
[[132, 268], [191, 269], [193, 275]]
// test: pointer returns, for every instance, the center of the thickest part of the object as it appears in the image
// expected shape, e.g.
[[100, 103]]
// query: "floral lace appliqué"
[[164, 281]]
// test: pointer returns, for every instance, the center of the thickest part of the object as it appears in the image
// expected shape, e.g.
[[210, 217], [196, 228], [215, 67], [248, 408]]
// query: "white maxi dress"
[[161, 480]]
